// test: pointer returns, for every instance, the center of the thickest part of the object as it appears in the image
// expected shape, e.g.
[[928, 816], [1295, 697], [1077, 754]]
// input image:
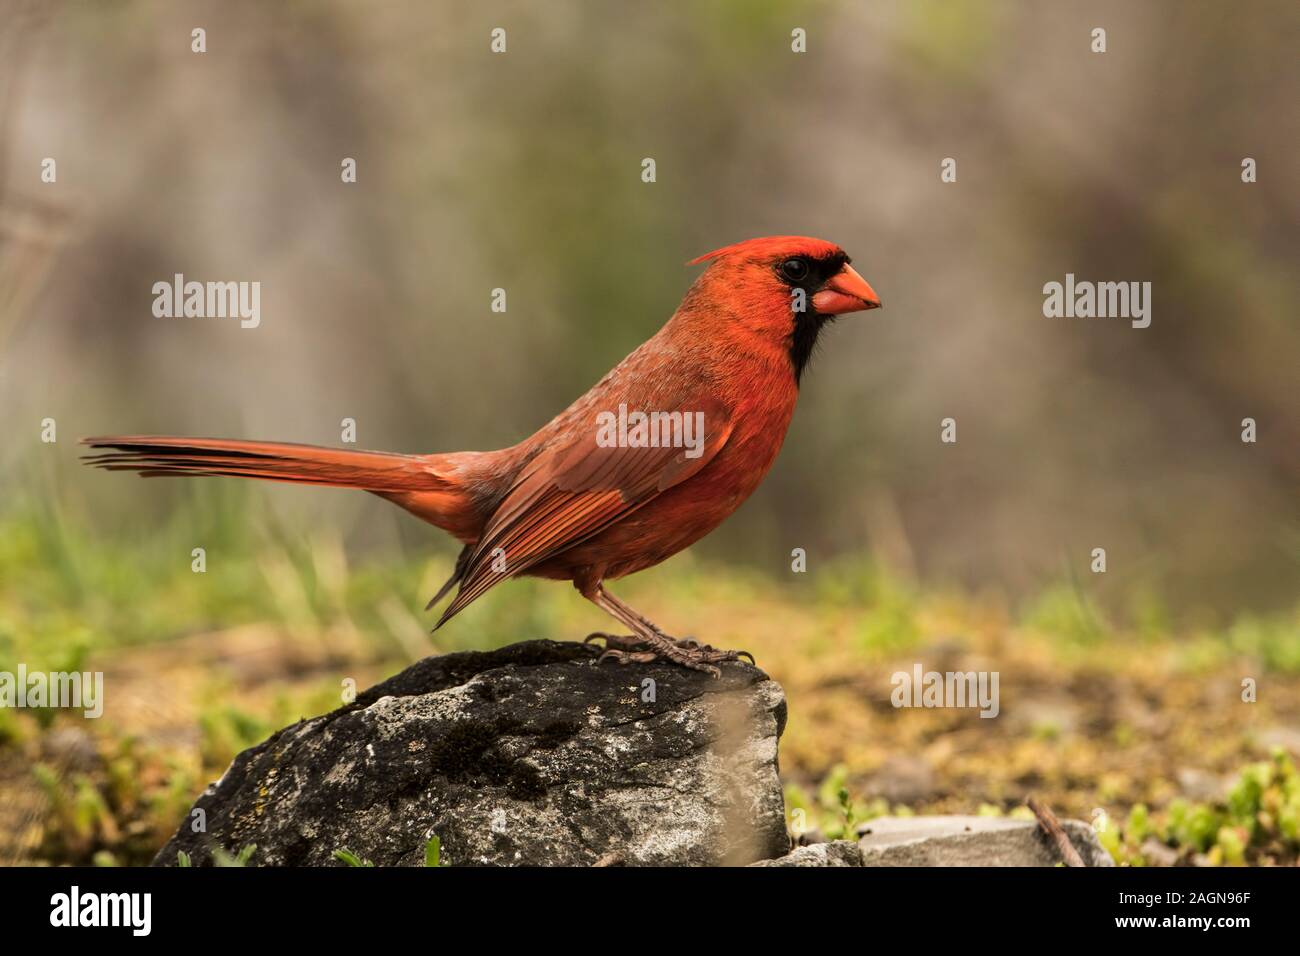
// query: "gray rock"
[[1159, 854], [971, 841], [532, 754], [835, 853]]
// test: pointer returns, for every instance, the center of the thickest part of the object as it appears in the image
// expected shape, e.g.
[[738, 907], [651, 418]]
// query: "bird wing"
[[575, 489]]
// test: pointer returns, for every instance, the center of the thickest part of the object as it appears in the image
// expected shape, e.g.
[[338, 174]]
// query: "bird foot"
[[688, 652], [618, 642]]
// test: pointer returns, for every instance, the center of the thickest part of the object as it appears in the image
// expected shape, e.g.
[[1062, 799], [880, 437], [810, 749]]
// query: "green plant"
[[1256, 822], [221, 858], [433, 852], [350, 858]]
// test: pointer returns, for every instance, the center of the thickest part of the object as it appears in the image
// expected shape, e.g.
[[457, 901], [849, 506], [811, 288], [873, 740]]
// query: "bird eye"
[[796, 270]]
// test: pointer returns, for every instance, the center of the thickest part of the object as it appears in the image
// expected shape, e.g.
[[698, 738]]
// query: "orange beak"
[[846, 291]]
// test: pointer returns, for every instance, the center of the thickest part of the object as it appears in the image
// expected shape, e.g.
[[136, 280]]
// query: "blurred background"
[[522, 171]]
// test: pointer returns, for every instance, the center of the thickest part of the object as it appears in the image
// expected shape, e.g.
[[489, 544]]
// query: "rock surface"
[[835, 853], [971, 841], [532, 754]]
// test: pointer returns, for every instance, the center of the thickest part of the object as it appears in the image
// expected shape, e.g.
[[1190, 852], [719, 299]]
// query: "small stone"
[[971, 841], [835, 853], [1158, 854]]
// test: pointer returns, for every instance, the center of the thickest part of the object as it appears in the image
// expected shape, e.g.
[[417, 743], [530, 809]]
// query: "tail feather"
[[154, 456]]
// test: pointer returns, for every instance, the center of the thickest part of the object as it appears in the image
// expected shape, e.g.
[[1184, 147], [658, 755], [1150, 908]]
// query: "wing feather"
[[572, 491]]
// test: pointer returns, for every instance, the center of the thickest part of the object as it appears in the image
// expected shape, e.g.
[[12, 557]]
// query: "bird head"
[[785, 288]]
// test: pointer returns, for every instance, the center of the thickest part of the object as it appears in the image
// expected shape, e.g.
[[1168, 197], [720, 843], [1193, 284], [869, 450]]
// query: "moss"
[[525, 782], [467, 753], [467, 750], [556, 732]]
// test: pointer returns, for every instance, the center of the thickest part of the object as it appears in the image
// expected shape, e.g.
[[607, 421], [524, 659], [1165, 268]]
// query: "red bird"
[[651, 459]]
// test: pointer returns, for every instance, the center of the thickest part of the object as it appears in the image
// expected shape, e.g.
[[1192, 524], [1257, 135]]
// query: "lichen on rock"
[[533, 754]]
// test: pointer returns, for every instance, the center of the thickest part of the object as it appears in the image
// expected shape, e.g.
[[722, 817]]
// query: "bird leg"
[[649, 643]]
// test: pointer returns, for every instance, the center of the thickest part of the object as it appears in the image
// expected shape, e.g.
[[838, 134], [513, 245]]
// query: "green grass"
[[1125, 708], [1256, 823]]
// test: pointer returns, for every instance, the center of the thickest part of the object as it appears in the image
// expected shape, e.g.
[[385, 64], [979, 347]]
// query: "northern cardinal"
[[608, 487]]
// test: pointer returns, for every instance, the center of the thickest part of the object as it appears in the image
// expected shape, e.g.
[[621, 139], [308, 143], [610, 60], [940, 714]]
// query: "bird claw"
[[617, 642], [627, 657], [691, 644], [687, 652], [702, 657]]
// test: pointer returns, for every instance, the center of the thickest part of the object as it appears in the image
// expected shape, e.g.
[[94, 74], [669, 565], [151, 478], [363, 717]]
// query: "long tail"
[[164, 455], [429, 487]]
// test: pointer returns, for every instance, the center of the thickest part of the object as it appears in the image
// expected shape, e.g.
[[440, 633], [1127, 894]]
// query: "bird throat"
[[803, 340]]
